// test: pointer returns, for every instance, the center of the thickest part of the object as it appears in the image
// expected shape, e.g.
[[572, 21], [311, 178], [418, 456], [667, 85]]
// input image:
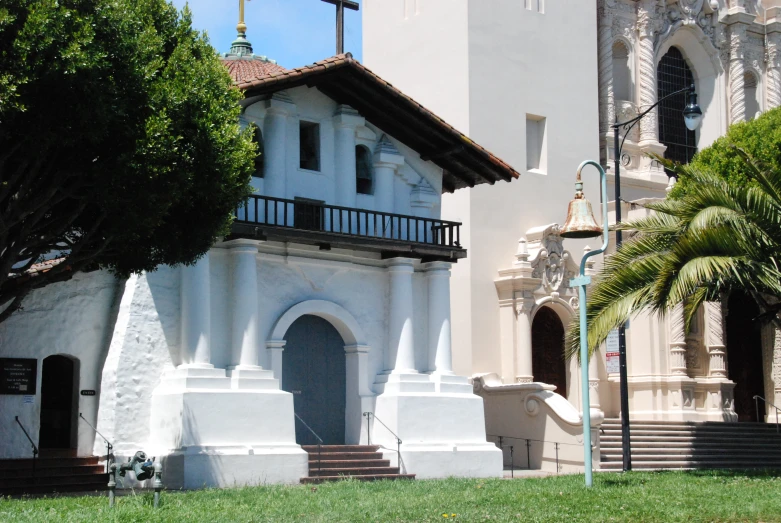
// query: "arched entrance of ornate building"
[[59, 403], [548, 365], [314, 372], [744, 354]]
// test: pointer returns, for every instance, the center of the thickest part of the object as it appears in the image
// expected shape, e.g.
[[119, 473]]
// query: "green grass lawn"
[[662, 496]]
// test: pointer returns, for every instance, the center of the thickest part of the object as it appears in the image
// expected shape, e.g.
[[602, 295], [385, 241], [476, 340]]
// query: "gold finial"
[[241, 27]]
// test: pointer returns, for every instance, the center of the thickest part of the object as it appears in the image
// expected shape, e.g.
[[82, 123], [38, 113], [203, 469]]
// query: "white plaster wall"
[[313, 106], [72, 318]]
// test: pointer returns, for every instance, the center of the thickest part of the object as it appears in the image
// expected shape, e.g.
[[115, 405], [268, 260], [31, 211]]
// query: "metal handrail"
[[756, 405], [35, 448], [369, 416], [556, 446], [319, 439], [350, 221], [109, 445]]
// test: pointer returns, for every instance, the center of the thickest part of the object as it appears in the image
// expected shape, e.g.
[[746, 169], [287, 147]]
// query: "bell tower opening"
[[59, 403], [548, 364]]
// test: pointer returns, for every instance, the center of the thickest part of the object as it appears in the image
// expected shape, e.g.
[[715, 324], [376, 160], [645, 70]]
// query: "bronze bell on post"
[[580, 218]]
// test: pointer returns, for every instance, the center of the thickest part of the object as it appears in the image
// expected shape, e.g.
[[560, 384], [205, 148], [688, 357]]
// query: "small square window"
[[310, 145]]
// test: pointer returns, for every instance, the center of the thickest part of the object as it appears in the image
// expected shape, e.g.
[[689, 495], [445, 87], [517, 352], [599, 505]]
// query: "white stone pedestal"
[[442, 433], [210, 430]]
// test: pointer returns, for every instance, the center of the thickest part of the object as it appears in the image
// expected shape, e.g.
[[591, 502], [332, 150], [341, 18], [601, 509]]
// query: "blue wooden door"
[[313, 370]]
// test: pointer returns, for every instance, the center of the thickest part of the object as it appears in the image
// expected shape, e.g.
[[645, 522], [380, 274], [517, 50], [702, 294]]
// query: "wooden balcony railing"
[[344, 222]]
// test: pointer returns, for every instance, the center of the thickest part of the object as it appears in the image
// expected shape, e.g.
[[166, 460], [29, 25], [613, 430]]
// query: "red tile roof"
[[247, 69], [346, 81]]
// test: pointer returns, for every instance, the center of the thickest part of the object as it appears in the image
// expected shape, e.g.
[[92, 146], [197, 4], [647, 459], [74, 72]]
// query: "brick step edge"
[[355, 472], [80, 470], [48, 463], [345, 456], [53, 489], [373, 477], [82, 479], [341, 448], [348, 463]]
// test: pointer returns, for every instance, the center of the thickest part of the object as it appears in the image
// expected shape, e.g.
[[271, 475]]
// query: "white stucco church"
[[344, 308]]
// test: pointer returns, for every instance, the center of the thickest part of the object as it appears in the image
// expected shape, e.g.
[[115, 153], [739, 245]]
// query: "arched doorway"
[[59, 403], [744, 354], [314, 371], [548, 365]]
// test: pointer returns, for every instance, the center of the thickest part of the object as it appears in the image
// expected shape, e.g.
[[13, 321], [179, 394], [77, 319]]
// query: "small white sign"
[[611, 352], [29, 400]]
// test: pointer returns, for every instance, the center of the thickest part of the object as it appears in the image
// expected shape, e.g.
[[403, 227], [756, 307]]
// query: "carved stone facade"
[[724, 45]]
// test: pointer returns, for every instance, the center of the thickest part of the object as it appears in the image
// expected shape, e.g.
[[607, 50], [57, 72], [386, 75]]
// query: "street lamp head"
[[580, 218], [692, 114]]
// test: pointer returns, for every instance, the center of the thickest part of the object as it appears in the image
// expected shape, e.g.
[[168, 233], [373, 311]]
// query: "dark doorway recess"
[[744, 354], [59, 382], [313, 370], [548, 363]]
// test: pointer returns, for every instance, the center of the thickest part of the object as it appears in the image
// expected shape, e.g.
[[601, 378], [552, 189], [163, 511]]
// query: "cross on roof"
[[340, 7]]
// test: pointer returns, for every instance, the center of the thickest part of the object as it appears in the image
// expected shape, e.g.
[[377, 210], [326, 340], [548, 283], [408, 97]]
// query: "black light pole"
[[692, 115]]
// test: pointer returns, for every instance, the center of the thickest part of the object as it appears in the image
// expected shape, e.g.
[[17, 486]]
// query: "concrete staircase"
[[55, 471], [692, 445], [337, 462]]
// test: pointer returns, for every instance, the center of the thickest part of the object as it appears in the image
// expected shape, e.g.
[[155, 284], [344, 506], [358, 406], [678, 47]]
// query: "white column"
[[647, 66], [677, 342], [523, 354], [401, 349], [737, 70], [244, 285], [717, 349], [196, 314], [605, 60], [440, 359], [774, 68], [345, 120], [386, 160], [275, 144]]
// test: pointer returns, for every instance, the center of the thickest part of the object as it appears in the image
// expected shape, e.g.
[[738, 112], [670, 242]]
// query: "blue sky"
[[292, 32]]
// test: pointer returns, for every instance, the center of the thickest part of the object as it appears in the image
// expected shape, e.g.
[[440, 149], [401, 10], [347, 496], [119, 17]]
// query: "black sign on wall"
[[18, 376]]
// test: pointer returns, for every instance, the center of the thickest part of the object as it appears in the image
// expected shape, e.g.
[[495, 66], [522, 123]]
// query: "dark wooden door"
[[313, 370], [548, 363], [58, 395], [744, 355]]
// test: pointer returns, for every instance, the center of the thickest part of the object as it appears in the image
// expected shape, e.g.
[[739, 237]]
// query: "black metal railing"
[[756, 405], [319, 440], [369, 416], [109, 445], [35, 448], [332, 219], [527, 442]]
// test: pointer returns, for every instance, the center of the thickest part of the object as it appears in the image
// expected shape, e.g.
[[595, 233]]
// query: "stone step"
[[44, 463], [683, 442], [683, 465], [371, 463], [749, 424], [53, 481], [712, 435], [47, 489], [715, 456], [371, 477], [312, 449], [77, 470], [359, 471], [342, 456]]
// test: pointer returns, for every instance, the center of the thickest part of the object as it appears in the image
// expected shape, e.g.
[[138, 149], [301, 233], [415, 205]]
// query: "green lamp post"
[[581, 224]]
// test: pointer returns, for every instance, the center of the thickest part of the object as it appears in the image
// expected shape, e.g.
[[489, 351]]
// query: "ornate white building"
[[540, 82]]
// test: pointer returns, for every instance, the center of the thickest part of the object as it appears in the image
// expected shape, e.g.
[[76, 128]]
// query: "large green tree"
[[119, 140], [720, 233]]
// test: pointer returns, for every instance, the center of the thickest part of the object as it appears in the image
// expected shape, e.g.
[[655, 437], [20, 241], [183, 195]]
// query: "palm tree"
[[721, 235]]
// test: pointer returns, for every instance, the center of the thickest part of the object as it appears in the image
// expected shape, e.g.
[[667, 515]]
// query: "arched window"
[[752, 100], [364, 175], [622, 78], [257, 138], [673, 74]]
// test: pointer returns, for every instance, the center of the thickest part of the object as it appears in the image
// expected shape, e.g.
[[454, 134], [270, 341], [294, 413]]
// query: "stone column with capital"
[[737, 70], [440, 359], [774, 67], [387, 159], [401, 343], [605, 57], [647, 67], [346, 121], [278, 108], [523, 328], [677, 342], [714, 340]]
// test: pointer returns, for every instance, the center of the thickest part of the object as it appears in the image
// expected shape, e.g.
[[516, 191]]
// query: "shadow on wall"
[[164, 286]]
